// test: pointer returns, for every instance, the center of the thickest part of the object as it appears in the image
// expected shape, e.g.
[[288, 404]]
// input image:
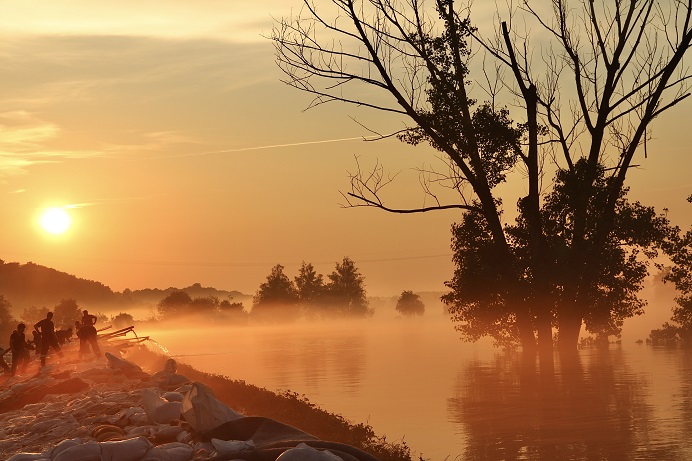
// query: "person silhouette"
[[48, 337], [20, 350], [87, 335]]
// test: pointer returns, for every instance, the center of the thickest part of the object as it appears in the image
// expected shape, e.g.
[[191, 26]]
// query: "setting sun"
[[55, 221]]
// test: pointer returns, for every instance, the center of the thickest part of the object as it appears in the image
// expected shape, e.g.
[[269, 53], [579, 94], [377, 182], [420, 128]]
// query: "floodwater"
[[414, 380]]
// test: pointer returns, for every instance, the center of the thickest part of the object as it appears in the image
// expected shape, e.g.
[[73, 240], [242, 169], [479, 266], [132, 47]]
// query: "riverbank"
[[69, 404]]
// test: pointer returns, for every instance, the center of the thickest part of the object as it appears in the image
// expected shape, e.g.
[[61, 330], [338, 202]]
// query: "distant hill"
[[27, 285]]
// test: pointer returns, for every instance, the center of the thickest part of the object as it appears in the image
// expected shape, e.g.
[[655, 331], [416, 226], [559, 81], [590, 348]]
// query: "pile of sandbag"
[[120, 413]]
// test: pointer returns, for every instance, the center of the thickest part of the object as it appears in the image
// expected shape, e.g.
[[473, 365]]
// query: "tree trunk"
[[570, 328]]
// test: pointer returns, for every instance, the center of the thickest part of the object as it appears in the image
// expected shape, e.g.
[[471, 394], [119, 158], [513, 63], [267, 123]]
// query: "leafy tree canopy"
[[409, 304]]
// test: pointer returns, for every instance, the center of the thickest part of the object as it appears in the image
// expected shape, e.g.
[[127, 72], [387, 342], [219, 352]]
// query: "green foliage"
[[174, 304], [679, 249], [672, 335], [33, 284], [7, 322], [483, 300], [346, 290], [410, 304], [309, 285], [122, 320], [31, 315], [277, 298], [66, 313]]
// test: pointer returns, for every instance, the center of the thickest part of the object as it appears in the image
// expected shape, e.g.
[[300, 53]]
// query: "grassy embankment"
[[286, 407]]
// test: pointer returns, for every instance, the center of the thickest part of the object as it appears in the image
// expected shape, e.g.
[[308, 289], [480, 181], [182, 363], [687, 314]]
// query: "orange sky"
[[163, 125]]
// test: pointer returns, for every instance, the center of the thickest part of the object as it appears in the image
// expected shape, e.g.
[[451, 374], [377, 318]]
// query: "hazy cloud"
[[237, 20]]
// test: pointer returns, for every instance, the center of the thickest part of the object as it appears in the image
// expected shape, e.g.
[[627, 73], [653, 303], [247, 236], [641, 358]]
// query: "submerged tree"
[[679, 249], [578, 250], [277, 298], [410, 304], [310, 288], [345, 290]]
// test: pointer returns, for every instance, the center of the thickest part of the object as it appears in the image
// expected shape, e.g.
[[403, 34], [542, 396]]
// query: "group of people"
[[45, 338]]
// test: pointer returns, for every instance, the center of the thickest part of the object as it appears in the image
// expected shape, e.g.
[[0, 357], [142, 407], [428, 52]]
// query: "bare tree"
[[603, 72]]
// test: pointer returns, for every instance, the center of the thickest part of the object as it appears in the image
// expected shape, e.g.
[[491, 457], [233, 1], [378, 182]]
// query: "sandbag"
[[303, 452], [232, 447], [124, 450], [203, 411], [177, 451], [64, 445], [159, 410], [27, 457], [90, 451], [123, 365]]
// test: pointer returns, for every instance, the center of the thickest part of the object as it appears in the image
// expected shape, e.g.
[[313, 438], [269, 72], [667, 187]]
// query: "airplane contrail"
[[272, 146]]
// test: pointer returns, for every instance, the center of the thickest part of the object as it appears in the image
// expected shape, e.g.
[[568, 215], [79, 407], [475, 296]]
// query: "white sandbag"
[[303, 452], [204, 411], [177, 451], [168, 412], [124, 450], [27, 457], [62, 446], [167, 433], [151, 401], [232, 447], [173, 396], [90, 451], [117, 363]]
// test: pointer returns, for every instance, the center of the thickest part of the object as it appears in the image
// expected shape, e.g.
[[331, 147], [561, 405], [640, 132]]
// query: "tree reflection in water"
[[589, 407]]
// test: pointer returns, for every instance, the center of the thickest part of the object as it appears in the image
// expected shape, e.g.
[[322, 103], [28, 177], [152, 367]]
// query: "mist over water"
[[413, 379]]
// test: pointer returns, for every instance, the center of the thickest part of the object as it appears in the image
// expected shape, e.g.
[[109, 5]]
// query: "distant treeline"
[[31, 285], [29, 291]]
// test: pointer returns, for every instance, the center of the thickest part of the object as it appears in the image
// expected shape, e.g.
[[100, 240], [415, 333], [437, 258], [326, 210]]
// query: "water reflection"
[[314, 359], [592, 407]]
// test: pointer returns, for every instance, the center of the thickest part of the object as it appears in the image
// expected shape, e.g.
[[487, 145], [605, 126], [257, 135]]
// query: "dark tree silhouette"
[[31, 315], [277, 298], [346, 290], [123, 320], [66, 313], [176, 303], [410, 304], [7, 321], [679, 248], [310, 287], [584, 112]]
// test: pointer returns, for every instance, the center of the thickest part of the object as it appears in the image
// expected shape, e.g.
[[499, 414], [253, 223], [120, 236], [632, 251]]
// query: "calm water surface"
[[414, 380]]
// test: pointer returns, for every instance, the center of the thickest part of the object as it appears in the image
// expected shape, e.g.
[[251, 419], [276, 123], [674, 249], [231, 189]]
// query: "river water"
[[414, 380]]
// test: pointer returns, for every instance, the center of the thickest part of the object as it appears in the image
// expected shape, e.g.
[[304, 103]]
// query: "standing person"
[[20, 350], [48, 337], [87, 334]]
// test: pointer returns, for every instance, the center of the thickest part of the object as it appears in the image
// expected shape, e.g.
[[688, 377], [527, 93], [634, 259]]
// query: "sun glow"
[[55, 221]]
